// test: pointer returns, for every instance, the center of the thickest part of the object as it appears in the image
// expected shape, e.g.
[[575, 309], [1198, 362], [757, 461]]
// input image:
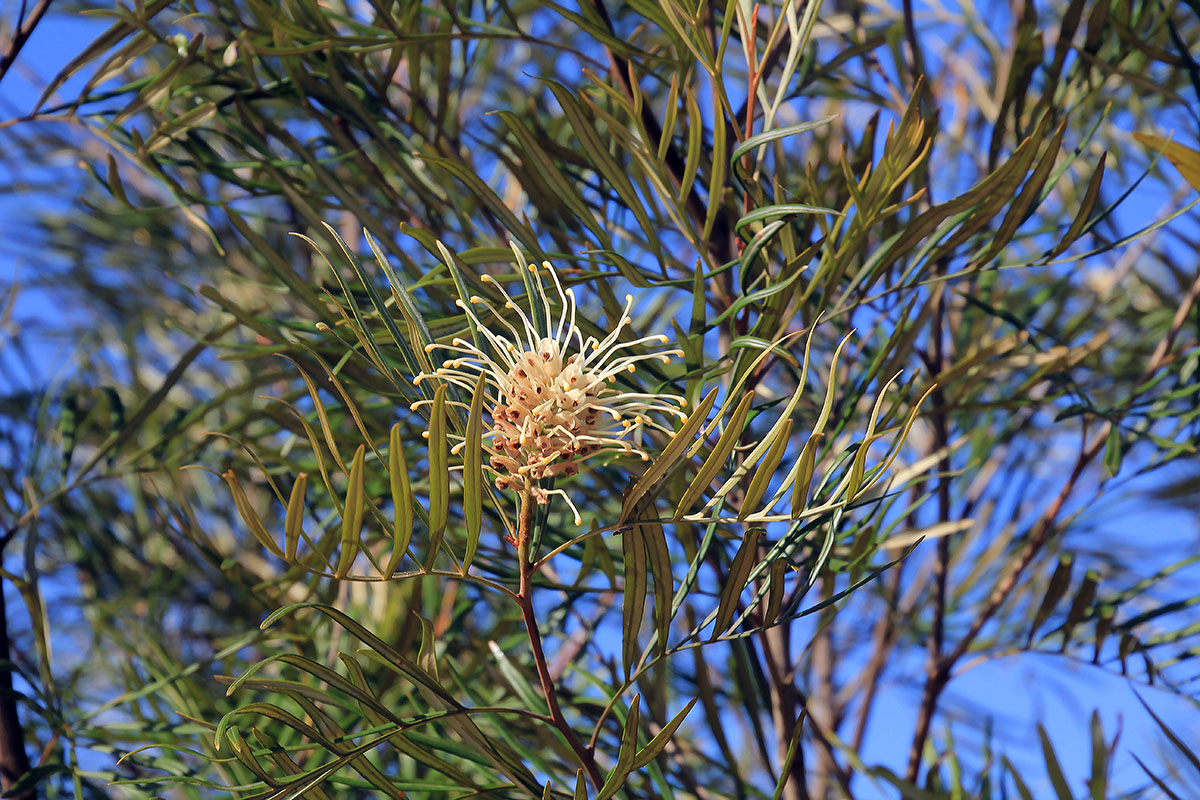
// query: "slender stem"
[[941, 357], [525, 600]]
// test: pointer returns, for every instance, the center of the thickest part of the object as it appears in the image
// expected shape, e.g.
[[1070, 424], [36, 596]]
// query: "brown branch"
[[916, 63], [822, 709], [782, 689], [1039, 535], [525, 599], [883, 639], [21, 34], [941, 359], [823, 737], [1087, 454], [14, 761]]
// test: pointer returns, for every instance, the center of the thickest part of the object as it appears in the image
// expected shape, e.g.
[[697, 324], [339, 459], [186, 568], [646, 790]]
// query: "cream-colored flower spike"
[[552, 393]]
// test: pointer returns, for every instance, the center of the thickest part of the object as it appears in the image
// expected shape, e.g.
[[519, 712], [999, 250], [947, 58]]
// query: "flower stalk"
[[525, 601]]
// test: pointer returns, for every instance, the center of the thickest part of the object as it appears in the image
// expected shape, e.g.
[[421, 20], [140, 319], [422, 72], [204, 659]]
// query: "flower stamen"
[[552, 395]]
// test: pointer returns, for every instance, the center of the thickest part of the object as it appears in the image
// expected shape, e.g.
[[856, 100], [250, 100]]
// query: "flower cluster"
[[552, 393]]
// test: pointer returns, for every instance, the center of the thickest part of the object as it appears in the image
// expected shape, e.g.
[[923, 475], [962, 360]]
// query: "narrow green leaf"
[[831, 387], [284, 761], [1098, 785], [719, 456], [473, 473], [439, 475], [427, 655], [1022, 789], [489, 198], [660, 740], [766, 471], [735, 582], [1113, 451], [1084, 210], [402, 500], [857, 467], [625, 756], [1191, 755], [669, 118], [244, 754], [352, 514], [634, 599], [174, 129], [659, 556], [249, 515], [293, 523], [605, 164], [1080, 605], [1053, 768], [1126, 646], [806, 465], [113, 181], [775, 134], [102, 44], [775, 591], [159, 87], [520, 685], [785, 210], [680, 441], [1166, 790], [716, 183], [1103, 628], [761, 240], [695, 146], [1055, 589]]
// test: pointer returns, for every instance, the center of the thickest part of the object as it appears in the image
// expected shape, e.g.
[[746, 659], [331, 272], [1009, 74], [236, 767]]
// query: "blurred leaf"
[[1185, 159]]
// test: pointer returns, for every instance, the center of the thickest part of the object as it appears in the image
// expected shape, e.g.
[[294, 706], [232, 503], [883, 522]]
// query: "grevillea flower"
[[552, 394]]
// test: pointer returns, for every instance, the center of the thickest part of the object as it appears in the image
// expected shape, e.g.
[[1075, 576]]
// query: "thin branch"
[[821, 704], [883, 640], [783, 698], [14, 761], [21, 34], [525, 600], [1040, 533], [941, 359], [916, 60]]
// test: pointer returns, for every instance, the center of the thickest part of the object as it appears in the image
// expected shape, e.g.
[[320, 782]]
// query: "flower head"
[[552, 393]]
